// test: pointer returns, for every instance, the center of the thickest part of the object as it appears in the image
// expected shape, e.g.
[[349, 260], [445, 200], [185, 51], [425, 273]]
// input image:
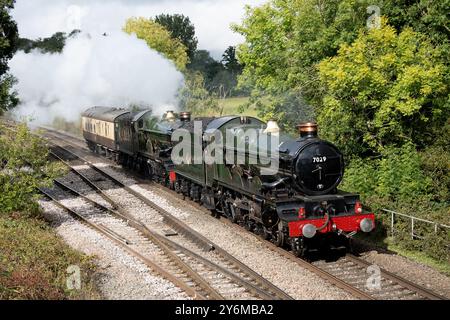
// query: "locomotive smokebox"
[[185, 116], [307, 129]]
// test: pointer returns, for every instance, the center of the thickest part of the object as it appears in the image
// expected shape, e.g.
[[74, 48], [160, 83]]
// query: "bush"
[[394, 177], [410, 182], [24, 168]]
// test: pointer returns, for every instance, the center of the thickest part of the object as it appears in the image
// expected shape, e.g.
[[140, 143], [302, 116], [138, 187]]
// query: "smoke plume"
[[114, 70]]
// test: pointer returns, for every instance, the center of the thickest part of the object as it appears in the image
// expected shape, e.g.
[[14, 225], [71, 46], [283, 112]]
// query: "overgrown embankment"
[[34, 262]]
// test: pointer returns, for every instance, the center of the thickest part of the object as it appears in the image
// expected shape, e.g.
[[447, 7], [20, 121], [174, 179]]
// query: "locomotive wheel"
[[235, 214], [278, 238], [298, 247], [215, 214], [265, 234], [349, 245], [248, 224]]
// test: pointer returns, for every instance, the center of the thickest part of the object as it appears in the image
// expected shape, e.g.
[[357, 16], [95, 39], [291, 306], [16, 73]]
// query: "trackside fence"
[[417, 226]]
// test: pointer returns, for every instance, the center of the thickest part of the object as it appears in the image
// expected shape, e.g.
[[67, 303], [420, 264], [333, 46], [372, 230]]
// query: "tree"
[[230, 61], [285, 39], [194, 96], [53, 44], [181, 28], [159, 39], [8, 43], [425, 16], [385, 89], [205, 64]]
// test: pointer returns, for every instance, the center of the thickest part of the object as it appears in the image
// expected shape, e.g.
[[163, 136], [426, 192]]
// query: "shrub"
[[24, 167], [410, 182]]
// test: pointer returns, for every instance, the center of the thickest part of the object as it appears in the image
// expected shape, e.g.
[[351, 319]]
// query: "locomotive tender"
[[298, 205]]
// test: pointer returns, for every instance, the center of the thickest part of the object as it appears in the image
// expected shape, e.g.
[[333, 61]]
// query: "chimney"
[[307, 129], [185, 116]]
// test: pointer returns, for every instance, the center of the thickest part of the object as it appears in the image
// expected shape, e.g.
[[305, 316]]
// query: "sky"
[[212, 18]]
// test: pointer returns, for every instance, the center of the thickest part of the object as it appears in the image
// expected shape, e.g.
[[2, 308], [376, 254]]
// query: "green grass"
[[231, 106], [392, 245], [443, 267], [34, 262]]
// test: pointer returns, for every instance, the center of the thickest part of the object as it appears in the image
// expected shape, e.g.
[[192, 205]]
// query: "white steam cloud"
[[117, 70]]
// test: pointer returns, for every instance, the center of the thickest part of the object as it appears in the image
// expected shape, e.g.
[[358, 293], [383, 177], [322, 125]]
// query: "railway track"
[[220, 276], [349, 273]]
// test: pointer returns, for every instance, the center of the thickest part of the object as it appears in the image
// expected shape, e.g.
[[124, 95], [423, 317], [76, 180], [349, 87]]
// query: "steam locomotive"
[[297, 205]]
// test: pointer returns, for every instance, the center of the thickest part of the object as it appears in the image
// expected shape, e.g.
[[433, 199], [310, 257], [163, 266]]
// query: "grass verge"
[[231, 106], [34, 262], [443, 267], [391, 245]]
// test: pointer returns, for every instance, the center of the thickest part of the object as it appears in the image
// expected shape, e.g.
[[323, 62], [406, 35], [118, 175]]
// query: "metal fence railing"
[[413, 223]]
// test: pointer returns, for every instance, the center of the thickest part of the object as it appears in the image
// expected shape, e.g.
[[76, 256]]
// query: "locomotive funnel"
[[185, 116], [307, 129]]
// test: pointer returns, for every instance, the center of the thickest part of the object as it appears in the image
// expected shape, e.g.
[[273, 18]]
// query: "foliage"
[[383, 89], [23, 168], [230, 61], [220, 77], [53, 44], [8, 43], [159, 39], [425, 16], [398, 181], [194, 96], [436, 165], [8, 29], [34, 260], [181, 28], [8, 99], [285, 39], [205, 64], [396, 176]]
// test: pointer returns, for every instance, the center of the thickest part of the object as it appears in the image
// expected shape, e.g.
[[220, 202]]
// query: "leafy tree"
[[205, 64], [425, 16], [53, 44], [230, 61], [285, 39], [159, 39], [8, 43], [194, 96], [383, 89], [181, 28]]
